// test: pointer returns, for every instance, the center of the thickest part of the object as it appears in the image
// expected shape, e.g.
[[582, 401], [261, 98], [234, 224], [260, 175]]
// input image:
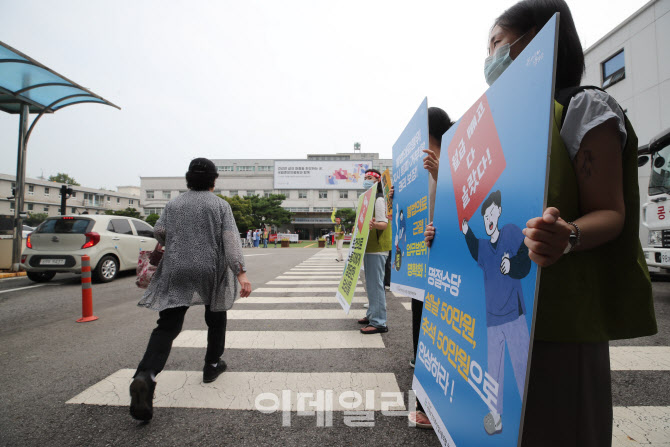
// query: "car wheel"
[[107, 269], [41, 276]]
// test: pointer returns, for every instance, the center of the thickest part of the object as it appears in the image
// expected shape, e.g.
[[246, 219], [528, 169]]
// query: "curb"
[[12, 275]]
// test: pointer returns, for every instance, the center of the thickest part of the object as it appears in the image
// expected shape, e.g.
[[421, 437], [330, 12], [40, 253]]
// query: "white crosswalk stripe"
[[640, 358], [296, 300], [332, 290], [295, 314], [284, 340]]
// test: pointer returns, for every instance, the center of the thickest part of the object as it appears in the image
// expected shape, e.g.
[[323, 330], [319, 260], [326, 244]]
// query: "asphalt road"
[[46, 359]]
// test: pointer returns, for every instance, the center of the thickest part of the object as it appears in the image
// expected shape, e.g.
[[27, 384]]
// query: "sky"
[[248, 79]]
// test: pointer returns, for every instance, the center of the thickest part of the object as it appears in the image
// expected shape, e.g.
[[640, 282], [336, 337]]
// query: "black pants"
[[417, 310], [387, 270], [569, 401], [170, 322]]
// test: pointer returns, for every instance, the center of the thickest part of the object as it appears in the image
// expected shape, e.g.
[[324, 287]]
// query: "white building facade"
[[43, 197], [632, 62], [311, 202]]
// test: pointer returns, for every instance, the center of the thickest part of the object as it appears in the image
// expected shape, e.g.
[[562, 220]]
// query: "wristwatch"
[[575, 238]]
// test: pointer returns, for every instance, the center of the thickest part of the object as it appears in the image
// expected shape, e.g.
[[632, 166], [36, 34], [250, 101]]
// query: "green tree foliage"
[[241, 212], [347, 217], [270, 208], [128, 212], [152, 218], [34, 220], [62, 177]]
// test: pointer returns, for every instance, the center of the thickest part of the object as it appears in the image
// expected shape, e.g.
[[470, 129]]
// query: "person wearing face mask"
[[584, 298], [374, 260]]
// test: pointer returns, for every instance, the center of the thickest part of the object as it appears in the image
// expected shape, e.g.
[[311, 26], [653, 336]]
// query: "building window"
[[234, 193], [150, 194], [46, 191], [298, 210], [344, 194], [74, 210], [11, 207], [148, 211], [614, 69], [224, 168], [131, 202], [323, 210], [31, 190], [46, 209], [118, 200], [250, 194], [74, 194], [109, 200], [323, 194], [30, 206], [245, 168], [167, 195], [267, 194], [302, 194], [264, 168]]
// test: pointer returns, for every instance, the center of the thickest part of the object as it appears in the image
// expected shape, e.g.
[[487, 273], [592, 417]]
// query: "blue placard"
[[477, 320], [410, 207]]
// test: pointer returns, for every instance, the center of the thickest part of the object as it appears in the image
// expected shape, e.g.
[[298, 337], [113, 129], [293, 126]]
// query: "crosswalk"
[[287, 297], [298, 312]]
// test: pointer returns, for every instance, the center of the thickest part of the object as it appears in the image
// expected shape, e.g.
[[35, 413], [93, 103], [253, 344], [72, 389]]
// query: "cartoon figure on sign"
[[503, 257], [400, 238]]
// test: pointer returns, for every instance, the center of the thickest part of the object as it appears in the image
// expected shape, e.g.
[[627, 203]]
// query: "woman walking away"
[[202, 264]]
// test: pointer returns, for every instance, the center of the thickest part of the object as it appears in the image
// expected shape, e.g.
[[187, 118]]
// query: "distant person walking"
[[339, 238], [249, 238], [202, 264], [265, 238], [255, 238]]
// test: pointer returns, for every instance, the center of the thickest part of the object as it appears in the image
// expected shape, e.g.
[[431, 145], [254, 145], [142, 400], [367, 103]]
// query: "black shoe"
[[142, 397], [210, 373]]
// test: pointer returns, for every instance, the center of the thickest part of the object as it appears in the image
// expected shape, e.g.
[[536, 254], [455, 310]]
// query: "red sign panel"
[[476, 158]]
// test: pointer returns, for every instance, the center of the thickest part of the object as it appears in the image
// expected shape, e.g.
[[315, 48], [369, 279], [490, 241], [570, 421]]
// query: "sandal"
[[370, 329], [419, 419], [364, 320]]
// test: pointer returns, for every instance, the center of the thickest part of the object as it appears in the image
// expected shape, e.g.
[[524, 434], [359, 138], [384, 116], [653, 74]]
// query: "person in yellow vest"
[[585, 299], [339, 237], [265, 237], [374, 260]]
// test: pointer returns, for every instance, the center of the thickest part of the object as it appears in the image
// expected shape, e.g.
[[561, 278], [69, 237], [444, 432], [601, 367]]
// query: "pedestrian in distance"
[[249, 244], [339, 238], [592, 218], [376, 251], [265, 237], [202, 264]]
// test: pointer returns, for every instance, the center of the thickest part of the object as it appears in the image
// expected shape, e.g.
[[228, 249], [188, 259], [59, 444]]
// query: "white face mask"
[[367, 184], [497, 63]]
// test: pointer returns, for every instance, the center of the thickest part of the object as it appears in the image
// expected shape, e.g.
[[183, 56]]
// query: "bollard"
[[86, 291]]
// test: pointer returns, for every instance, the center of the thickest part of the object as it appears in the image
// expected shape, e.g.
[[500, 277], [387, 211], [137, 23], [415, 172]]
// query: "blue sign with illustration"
[[410, 208], [477, 320]]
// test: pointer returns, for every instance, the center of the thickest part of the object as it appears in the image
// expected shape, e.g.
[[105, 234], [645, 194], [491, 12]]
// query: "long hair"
[[529, 14]]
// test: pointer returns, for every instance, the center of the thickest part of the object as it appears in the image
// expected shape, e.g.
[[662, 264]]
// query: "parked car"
[[112, 242], [26, 231]]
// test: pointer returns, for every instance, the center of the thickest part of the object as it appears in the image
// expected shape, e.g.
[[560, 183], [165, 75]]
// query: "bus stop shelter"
[[28, 87]]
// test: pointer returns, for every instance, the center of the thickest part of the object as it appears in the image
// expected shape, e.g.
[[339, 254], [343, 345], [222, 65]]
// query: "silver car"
[[112, 242]]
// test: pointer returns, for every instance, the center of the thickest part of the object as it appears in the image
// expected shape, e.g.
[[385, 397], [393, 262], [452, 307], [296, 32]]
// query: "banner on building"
[[410, 200], [308, 174], [359, 240], [477, 320]]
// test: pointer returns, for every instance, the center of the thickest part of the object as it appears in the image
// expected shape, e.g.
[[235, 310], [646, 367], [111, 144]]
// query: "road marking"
[[310, 245], [407, 306], [320, 275], [317, 269], [640, 358], [295, 314], [307, 283], [641, 426], [22, 288], [240, 390], [301, 289], [295, 300], [284, 340]]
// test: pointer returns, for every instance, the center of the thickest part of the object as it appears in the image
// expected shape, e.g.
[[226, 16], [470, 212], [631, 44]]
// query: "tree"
[[128, 212], [241, 212], [270, 208], [152, 218], [34, 220], [62, 177], [347, 217]]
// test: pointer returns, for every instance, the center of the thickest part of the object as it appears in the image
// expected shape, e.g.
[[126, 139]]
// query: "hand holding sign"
[[547, 237], [431, 163]]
